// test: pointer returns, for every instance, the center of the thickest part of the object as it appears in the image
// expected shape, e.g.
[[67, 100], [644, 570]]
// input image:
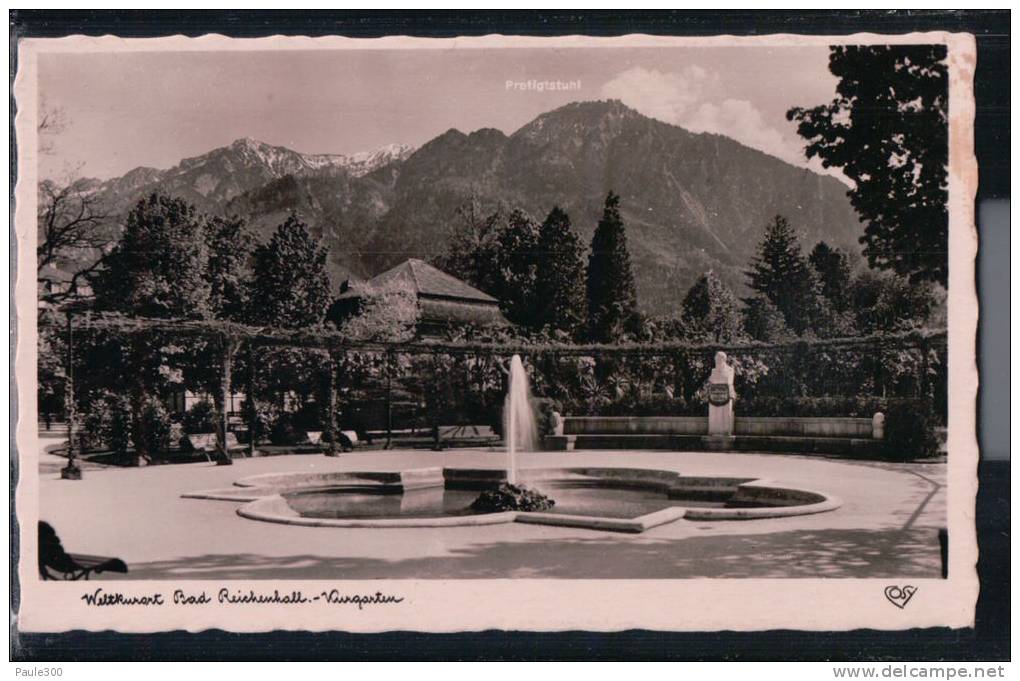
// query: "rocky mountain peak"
[[249, 143], [604, 118], [691, 202]]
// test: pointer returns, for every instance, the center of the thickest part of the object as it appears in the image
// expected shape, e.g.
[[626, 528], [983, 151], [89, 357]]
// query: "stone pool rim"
[[264, 500]]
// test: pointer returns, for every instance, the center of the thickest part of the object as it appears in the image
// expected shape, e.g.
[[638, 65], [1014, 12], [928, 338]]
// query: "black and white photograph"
[[400, 326]]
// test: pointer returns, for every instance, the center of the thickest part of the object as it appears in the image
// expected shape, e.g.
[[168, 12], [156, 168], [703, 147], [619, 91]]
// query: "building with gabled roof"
[[444, 301], [56, 285]]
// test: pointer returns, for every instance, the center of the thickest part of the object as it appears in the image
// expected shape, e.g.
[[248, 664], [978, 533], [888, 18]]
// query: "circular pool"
[[618, 499], [571, 498]]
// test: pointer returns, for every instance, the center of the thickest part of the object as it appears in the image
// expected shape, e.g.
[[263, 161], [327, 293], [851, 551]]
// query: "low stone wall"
[[843, 446], [824, 426], [412, 478], [635, 425], [768, 494], [742, 425], [842, 436]]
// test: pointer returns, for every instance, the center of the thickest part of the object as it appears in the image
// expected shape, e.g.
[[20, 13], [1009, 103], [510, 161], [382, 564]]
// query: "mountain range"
[[690, 201]]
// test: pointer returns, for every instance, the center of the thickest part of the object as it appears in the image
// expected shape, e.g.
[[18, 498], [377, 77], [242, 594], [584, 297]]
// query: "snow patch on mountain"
[[363, 162], [283, 161]]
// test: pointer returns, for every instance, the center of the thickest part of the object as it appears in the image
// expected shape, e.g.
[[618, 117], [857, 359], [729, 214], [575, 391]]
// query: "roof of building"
[[426, 280], [443, 312], [55, 274], [443, 300]]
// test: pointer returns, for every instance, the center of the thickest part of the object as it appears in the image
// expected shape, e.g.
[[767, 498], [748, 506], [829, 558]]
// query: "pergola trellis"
[[232, 336]]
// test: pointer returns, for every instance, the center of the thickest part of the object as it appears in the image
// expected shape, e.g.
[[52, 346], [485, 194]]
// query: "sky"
[[118, 111]]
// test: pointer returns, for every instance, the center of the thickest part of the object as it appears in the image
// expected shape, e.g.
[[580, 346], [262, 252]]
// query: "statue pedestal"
[[718, 443], [720, 410]]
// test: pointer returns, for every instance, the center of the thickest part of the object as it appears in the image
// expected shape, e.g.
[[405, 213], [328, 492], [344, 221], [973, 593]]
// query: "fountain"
[[518, 418], [596, 497], [521, 434]]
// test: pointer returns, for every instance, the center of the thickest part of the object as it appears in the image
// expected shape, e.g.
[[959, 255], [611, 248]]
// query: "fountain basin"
[[614, 499]]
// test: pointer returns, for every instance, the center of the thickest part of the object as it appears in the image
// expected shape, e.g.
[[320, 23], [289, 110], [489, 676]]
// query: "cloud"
[[665, 96], [739, 119], [692, 99]]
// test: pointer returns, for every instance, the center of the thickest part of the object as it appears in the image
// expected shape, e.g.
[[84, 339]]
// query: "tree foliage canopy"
[[612, 298], [535, 271], [384, 313], [832, 266], [71, 234], [780, 272], [515, 266], [710, 311], [471, 247], [559, 278], [886, 303], [887, 129], [764, 322], [290, 286], [229, 244], [157, 269]]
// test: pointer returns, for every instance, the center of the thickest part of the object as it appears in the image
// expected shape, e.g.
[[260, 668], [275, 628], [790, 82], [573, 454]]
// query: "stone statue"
[[557, 423], [720, 397]]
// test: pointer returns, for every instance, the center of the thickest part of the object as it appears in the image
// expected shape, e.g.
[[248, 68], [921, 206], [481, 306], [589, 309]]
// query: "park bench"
[[56, 563], [347, 439], [206, 443]]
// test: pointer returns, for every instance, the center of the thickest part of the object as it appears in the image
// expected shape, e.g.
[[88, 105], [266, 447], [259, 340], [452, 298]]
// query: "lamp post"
[[72, 471], [389, 400], [229, 348], [252, 409], [332, 429]]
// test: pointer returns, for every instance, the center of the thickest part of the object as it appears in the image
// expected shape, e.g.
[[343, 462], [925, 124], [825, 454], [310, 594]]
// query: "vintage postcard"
[[496, 333]]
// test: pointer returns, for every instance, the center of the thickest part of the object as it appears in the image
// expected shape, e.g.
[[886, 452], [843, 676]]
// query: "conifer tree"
[[157, 269], [764, 322], [515, 267], [710, 311], [781, 273], [832, 267], [228, 242], [471, 245], [290, 286], [559, 278], [612, 299]]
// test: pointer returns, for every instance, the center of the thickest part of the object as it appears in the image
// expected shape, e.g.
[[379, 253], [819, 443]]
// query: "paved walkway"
[[54, 439], [887, 526]]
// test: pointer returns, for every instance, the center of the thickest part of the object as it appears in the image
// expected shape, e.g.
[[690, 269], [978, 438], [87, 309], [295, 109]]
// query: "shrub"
[[651, 405], [911, 431], [201, 418], [863, 406], [120, 425], [495, 419], [107, 423], [157, 425], [284, 427], [285, 430], [96, 424], [177, 434], [509, 497], [266, 415], [364, 415], [309, 417]]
